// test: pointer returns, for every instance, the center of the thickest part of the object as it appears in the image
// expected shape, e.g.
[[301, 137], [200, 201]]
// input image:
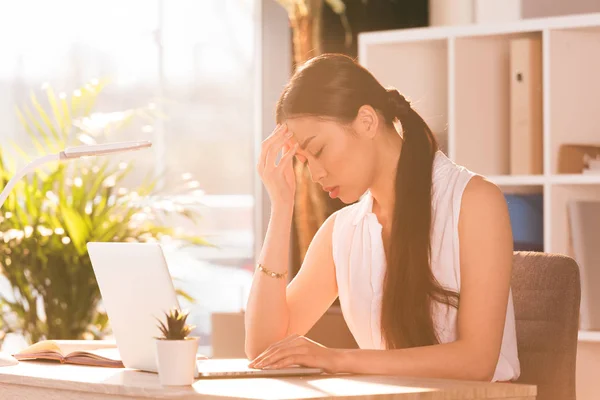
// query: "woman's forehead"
[[301, 125], [304, 127]]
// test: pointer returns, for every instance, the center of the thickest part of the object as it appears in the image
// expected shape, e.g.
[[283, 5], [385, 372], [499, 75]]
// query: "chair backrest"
[[546, 293]]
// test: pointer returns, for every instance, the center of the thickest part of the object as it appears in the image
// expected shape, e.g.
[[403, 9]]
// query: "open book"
[[100, 353]]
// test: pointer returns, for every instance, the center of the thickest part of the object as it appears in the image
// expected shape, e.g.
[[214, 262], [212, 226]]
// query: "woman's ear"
[[366, 122]]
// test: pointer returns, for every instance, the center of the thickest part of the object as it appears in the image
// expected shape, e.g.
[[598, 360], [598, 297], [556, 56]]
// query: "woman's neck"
[[384, 185]]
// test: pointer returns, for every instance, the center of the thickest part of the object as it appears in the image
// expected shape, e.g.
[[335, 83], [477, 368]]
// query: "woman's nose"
[[317, 172]]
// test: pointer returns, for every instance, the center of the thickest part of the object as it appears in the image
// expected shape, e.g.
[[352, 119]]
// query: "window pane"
[[191, 60], [208, 89], [68, 43], [209, 69]]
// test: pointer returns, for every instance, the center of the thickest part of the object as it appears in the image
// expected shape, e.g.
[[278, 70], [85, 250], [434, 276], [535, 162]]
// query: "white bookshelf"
[[458, 79], [587, 336], [556, 179]]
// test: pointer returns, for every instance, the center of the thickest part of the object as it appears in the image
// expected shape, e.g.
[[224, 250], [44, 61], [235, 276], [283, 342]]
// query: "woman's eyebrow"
[[306, 142]]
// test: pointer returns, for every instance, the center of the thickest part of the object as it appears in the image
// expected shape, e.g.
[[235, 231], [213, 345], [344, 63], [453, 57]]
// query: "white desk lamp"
[[67, 154]]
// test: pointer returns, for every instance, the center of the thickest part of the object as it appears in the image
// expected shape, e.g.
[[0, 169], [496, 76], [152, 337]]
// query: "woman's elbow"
[[484, 374], [485, 368], [252, 350], [251, 354]]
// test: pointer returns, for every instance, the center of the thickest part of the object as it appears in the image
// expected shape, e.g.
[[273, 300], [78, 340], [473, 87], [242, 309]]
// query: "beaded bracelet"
[[271, 273]]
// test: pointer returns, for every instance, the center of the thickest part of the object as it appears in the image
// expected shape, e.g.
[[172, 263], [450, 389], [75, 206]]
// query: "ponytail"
[[409, 285]]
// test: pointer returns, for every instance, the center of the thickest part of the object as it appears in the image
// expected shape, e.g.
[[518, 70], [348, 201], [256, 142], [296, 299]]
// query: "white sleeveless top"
[[360, 264]]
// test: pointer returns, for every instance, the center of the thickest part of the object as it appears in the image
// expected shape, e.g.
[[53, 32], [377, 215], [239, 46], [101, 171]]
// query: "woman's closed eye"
[[318, 153]]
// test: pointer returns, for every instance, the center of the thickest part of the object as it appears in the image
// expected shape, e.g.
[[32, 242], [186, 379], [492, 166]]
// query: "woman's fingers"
[[271, 349], [289, 145], [274, 347], [263, 360], [288, 156], [301, 158], [282, 354], [296, 359], [274, 149], [277, 175], [280, 131]]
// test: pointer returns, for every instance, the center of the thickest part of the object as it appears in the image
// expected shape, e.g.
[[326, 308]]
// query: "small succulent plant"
[[176, 327]]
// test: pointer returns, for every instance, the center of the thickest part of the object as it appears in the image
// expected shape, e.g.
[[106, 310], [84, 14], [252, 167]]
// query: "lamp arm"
[[24, 171]]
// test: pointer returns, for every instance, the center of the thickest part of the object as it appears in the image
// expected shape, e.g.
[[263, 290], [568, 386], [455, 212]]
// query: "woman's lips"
[[334, 191]]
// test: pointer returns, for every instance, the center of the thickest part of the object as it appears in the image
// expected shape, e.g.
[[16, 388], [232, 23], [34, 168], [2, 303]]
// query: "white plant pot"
[[176, 361]]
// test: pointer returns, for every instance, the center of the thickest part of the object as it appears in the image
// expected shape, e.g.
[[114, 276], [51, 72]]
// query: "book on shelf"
[[575, 158], [526, 106], [99, 353], [592, 164]]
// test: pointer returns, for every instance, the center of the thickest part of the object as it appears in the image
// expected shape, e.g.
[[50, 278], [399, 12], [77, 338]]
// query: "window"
[[193, 59]]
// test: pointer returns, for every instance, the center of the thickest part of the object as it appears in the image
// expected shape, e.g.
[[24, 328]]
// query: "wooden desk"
[[49, 381]]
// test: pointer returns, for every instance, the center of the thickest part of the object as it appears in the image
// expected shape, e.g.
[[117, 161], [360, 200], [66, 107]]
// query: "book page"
[[83, 360], [101, 357], [58, 349], [98, 354], [69, 346], [45, 347]]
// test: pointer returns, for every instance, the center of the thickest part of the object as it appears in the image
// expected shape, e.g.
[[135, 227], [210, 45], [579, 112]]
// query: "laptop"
[[136, 288]]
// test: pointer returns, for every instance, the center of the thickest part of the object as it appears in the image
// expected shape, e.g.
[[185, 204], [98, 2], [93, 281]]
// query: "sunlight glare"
[[270, 389]]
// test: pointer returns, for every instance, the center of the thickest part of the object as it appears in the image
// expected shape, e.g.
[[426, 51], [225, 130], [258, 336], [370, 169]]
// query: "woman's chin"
[[346, 199], [343, 196]]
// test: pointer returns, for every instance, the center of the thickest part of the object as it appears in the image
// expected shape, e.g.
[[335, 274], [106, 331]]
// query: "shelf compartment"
[[573, 77], [576, 227], [526, 209], [482, 101], [419, 70], [561, 195]]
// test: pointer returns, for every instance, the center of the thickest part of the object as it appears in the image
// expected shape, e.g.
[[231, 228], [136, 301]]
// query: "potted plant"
[[175, 351], [48, 289]]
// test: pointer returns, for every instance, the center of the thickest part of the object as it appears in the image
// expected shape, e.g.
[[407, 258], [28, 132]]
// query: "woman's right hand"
[[278, 178]]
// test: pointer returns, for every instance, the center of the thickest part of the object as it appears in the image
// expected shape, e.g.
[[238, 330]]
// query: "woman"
[[421, 261]]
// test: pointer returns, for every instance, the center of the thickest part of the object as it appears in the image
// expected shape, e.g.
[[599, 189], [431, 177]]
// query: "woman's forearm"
[[456, 360], [267, 315]]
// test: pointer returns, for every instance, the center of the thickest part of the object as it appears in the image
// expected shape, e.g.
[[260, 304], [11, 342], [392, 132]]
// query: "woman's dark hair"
[[335, 86]]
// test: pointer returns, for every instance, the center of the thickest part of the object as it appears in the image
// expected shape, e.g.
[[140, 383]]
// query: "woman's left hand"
[[298, 350]]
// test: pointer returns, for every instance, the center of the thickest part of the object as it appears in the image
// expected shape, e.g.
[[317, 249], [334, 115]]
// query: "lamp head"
[[102, 149]]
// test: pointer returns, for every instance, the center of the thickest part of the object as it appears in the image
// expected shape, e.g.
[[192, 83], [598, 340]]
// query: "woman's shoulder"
[[448, 175], [458, 186], [444, 165], [480, 192]]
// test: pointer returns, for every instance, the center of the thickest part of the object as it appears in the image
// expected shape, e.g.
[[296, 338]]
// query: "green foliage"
[[176, 328], [51, 215]]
